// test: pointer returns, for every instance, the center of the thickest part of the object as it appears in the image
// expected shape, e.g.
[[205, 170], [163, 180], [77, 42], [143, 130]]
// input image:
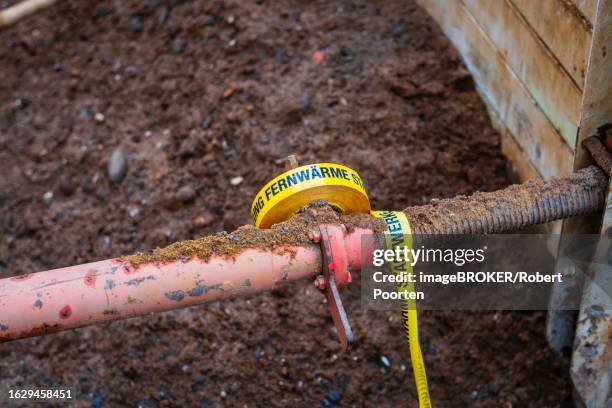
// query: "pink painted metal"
[[67, 298], [336, 268]]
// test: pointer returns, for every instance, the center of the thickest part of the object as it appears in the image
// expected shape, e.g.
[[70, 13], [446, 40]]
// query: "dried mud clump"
[[291, 233]]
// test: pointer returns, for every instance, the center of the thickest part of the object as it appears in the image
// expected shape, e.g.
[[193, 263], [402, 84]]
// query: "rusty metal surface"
[[533, 202], [591, 366], [599, 153]]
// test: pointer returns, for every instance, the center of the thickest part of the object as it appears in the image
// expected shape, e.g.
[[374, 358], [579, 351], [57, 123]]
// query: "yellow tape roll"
[[398, 232], [283, 196]]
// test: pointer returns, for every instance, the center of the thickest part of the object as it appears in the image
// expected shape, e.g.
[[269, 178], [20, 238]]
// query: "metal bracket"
[[335, 271]]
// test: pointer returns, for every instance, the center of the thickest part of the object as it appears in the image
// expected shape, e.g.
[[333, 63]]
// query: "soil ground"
[[199, 93]]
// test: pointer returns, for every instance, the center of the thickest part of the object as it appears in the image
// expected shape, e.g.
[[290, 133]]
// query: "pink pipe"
[[76, 296]]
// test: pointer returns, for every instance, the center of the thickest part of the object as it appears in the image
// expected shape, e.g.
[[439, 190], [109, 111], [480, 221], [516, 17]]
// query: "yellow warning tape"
[[343, 188], [399, 233], [282, 197]]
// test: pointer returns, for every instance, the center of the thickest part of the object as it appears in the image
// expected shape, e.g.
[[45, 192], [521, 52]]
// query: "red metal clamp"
[[335, 273]]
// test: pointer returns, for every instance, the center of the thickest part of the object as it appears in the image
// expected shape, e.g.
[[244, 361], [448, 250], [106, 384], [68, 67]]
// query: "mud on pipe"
[[251, 260]]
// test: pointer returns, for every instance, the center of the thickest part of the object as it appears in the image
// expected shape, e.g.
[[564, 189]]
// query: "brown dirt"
[[196, 93]]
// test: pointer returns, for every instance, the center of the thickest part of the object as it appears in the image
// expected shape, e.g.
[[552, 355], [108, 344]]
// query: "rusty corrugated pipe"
[[513, 208]]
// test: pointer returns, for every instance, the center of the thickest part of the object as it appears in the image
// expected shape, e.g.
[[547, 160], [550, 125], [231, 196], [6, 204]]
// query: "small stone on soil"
[[385, 361], [98, 397], [144, 402], [177, 46], [306, 101], [207, 121], [48, 197], [117, 166], [99, 117], [333, 396], [164, 16], [344, 380], [186, 194], [493, 387], [136, 24], [173, 30], [236, 180], [131, 71], [208, 20], [318, 57], [281, 56], [199, 221]]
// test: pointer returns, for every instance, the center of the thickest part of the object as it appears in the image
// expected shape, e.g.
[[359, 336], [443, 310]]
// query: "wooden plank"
[[521, 165], [586, 8], [524, 169], [528, 57], [502, 90], [517, 157], [562, 30]]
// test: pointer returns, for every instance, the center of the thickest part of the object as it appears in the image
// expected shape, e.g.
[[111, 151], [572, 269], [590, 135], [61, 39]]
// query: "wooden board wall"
[[528, 57], [563, 30], [529, 60]]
